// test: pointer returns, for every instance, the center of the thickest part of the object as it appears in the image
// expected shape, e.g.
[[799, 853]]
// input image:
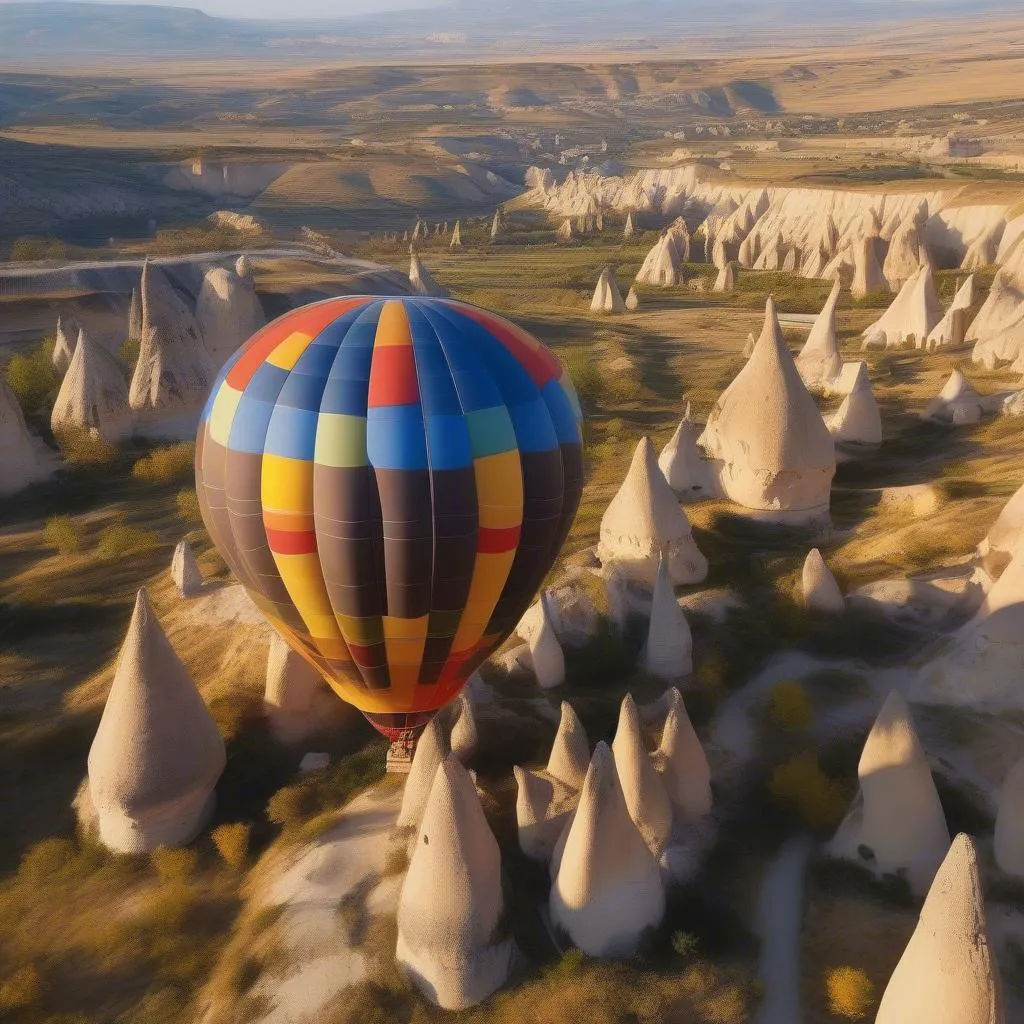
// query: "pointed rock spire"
[[628, 231], [948, 973], [867, 274], [1004, 536], [456, 242], [682, 463], [607, 297], [642, 787], [669, 650], [93, 395], [465, 735], [228, 311], [644, 523], [951, 330], [20, 463], [608, 889], [422, 281], [447, 934], [957, 402], [431, 749], [564, 232], [570, 753], [819, 361], [546, 652], [135, 317], [769, 447], [185, 571], [907, 252], [858, 419], [682, 764], [749, 346], [157, 753], [63, 349], [726, 279], [174, 370], [632, 300], [660, 268], [291, 681], [896, 823], [820, 590], [913, 314]]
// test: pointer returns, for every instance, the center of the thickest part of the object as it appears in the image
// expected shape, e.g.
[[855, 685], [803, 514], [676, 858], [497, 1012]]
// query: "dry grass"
[[122, 539], [167, 465], [188, 506]]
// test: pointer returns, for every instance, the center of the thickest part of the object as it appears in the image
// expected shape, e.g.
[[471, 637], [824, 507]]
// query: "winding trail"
[[778, 921]]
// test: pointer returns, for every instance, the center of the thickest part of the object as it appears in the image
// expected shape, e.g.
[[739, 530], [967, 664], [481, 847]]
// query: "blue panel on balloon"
[[566, 425], [394, 437], [292, 433], [448, 442], [534, 429]]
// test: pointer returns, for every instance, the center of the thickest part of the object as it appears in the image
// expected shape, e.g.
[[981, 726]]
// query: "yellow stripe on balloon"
[[490, 574], [499, 490], [392, 326], [286, 355], [287, 484], [404, 641], [223, 413]]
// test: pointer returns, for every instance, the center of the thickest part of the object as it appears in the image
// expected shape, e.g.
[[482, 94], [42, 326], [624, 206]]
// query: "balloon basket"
[[399, 760]]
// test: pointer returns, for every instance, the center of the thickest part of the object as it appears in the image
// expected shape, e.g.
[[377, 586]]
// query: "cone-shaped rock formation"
[[607, 297], [669, 650], [820, 590], [682, 764], [93, 395], [184, 570], [858, 420], [819, 361]]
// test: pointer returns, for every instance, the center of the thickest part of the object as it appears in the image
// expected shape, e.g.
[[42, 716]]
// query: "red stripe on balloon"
[[310, 320], [291, 542], [393, 377], [493, 541]]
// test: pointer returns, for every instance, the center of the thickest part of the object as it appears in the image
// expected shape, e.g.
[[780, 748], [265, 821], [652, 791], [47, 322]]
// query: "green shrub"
[[165, 465], [174, 864], [21, 990], [84, 448], [65, 534], [800, 785], [289, 805], [31, 247], [188, 506], [570, 965], [232, 842], [33, 379], [122, 539], [128, 351], [791, 707], [850, 992], [684, 944]]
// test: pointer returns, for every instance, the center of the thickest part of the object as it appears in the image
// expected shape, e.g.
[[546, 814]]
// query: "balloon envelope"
[[391, 479]]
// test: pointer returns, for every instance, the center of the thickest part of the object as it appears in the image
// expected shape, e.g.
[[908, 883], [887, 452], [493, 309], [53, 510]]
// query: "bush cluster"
[[33, 379], [791, 707], [122, 539], [850, 992], [166, 465], [65, 534], [800, 785]]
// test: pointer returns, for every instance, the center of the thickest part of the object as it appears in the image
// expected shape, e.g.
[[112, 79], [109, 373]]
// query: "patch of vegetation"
[[33, 379], [188, 505], [65, 534], [799, 785], [167, 465], [791, 707], [174, 864], [128, 351], [232, 843], [21, 990], [850, 992], [81, 447], [29, 248], [122, 539]]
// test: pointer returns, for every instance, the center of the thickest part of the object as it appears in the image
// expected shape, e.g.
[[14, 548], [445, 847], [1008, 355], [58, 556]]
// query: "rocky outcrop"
[[157, 754], [644, 523], [896, 825], [957, 402], [432, 748], [682, 764], [769, 447], [228, 311], [951, 330], [608, 889], [858, 420], [1004, 537], [63, 348], [913, 315], [448, 939], [682, 462], [185, 571], [93, 395], [607, 297], [818, 585], [948, 973], [422, 280]]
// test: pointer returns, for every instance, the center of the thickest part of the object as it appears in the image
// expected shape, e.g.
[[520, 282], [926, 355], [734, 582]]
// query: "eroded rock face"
[[682, 764], [913, 315], [432, 748], [157, 753], [948, 973], [896, 824], [20, 461], [660, 268], [682, 462], [228, 310], [644, 521], [951, 330], [819, 362], [608, 888], [769, 447], [447, 930], [957, 402], [1002, 540]]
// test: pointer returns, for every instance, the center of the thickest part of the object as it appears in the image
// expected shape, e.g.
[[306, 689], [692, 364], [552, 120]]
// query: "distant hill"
[[458, 29]]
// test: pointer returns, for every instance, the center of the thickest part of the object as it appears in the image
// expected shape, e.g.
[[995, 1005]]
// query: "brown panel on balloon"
[[407, 515], [456, 523], [349, 537]]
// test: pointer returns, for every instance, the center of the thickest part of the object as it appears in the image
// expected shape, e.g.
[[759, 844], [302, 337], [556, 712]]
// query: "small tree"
[[232, 842], [850, 992]]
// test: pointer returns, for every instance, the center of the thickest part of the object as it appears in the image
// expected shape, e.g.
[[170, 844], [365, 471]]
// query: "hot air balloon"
[[391, 479]]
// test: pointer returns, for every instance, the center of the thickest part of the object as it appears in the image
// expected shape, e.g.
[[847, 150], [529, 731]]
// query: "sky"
[[286, 9]]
